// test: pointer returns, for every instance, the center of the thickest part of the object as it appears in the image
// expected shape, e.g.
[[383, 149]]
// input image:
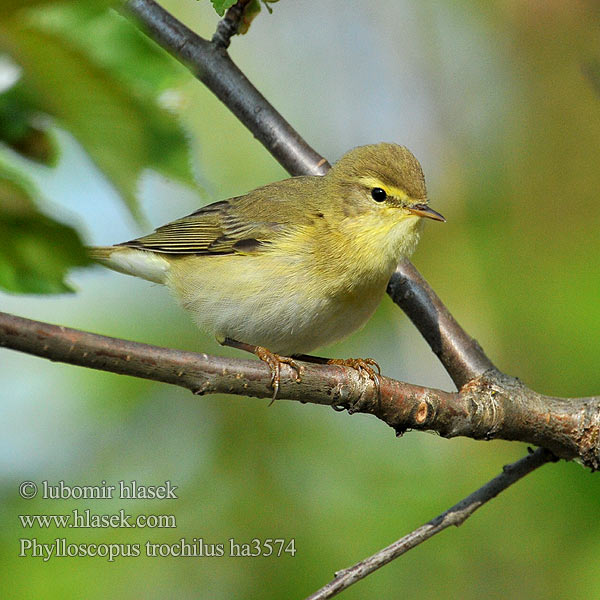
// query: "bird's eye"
[[378, 194]]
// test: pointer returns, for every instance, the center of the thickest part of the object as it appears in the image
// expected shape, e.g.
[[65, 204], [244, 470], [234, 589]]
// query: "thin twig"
[[229, 25], [453, 516], [460, 355]]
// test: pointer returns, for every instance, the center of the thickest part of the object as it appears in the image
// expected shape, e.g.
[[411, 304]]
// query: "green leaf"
[[122, 127], [113, 43], [221, 6], [22, 130], [250, 11], [136, 65], [35, 251]]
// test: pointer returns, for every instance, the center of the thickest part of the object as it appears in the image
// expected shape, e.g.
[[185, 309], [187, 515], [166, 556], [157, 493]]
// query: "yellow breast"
[[304, 292]]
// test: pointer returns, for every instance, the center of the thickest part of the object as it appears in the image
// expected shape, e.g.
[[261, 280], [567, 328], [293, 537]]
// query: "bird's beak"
[[422, 210]]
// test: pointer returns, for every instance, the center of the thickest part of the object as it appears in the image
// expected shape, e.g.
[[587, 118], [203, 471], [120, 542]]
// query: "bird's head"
[[383, 179]]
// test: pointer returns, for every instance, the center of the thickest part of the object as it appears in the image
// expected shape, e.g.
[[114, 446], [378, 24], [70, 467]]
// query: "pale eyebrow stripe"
[[390, 190]]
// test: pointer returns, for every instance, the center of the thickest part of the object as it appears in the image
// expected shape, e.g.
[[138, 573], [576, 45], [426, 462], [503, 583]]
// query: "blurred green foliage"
[[18, 127], [510, 151], [97, 76], [35, 251]]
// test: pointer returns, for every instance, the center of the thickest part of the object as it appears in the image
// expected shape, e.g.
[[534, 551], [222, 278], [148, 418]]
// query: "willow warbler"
[[292, 265]]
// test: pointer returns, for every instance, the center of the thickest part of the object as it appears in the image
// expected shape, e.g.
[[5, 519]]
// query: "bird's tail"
[[100, 253], [139, 263]]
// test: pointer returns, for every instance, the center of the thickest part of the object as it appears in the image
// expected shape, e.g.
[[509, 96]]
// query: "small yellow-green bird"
[[293, 265]]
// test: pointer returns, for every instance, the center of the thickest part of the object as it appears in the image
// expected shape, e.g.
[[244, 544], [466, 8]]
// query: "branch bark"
[[455, 515], [489, 404], [484, 409]]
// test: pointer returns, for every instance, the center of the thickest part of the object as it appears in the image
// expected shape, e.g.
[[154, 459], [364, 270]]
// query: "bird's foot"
[[275, 361]]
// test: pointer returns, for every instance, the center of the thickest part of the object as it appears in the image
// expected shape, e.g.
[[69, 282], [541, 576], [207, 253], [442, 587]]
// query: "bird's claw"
[[365, 368], [275, 361]]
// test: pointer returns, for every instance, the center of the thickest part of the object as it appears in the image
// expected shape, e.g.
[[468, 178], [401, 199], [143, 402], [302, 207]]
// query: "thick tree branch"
[[460, 355], [484, 409], [456, 515], [489, 405]]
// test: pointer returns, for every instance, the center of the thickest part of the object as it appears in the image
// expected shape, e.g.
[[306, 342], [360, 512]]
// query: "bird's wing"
[[225, 227]]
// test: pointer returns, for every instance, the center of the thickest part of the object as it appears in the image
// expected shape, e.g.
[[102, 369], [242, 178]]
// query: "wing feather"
[[242, 225]]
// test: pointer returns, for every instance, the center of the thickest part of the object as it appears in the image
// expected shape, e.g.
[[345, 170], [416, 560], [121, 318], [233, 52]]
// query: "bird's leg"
[[273, 360], [365, 366]]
